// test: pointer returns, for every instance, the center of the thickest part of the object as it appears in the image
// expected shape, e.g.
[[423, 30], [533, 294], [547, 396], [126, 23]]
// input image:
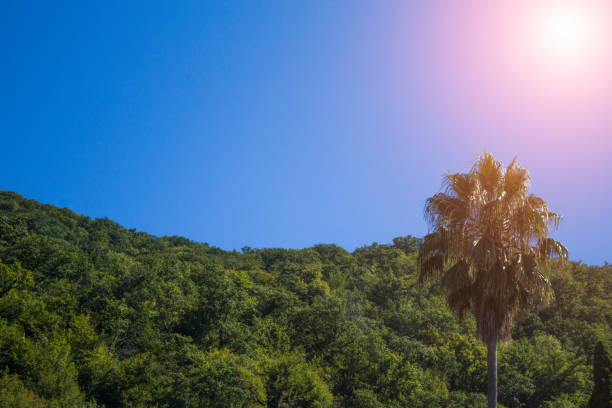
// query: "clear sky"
[[291, 123]]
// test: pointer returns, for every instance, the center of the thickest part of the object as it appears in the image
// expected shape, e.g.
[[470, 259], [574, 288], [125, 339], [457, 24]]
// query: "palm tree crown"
[[489, 244]]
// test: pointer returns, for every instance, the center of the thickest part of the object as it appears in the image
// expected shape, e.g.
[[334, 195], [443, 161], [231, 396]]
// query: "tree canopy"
[[94, 314], [490, 242]]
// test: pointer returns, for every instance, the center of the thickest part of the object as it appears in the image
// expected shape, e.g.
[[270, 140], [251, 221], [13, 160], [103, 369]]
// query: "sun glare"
[[566, 42], [568, 32]]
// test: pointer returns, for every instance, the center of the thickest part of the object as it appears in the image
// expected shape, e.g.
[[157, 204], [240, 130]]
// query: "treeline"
[[93, 314]]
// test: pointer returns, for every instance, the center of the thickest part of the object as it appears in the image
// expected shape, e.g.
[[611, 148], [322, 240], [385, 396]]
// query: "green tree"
[[490, 248], [292, 382], [602, 373]]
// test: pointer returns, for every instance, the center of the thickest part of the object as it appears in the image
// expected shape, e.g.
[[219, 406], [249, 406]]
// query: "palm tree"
[[490, 250]]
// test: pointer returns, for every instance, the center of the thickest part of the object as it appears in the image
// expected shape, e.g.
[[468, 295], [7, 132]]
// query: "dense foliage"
[[93, 314]]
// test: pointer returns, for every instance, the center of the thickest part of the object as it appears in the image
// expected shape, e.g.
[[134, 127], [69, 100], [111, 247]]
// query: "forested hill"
[[93, 314]]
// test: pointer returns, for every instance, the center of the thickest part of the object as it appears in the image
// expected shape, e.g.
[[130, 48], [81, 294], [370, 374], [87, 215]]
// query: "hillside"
[[94, 314]]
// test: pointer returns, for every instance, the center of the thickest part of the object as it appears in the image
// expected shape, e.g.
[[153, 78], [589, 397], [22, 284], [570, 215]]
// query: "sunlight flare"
[[568, 31], [568, 35]]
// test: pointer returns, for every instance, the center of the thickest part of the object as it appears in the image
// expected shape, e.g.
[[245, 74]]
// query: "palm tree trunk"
[[492, 368]]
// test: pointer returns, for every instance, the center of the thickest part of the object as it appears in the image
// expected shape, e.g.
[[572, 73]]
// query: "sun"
[[567, 31], [565, 42]]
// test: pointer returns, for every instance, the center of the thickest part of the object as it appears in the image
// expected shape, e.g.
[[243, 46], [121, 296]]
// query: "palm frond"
[[433, 253], [516, 182], [457, 276], [442, 210], [489, 171], [459, 185], [460, 300], [483, 255], [494, 318], [552, 249]]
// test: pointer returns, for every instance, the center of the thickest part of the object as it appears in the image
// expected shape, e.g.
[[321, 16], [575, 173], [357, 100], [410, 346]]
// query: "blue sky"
[[281, 124]]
